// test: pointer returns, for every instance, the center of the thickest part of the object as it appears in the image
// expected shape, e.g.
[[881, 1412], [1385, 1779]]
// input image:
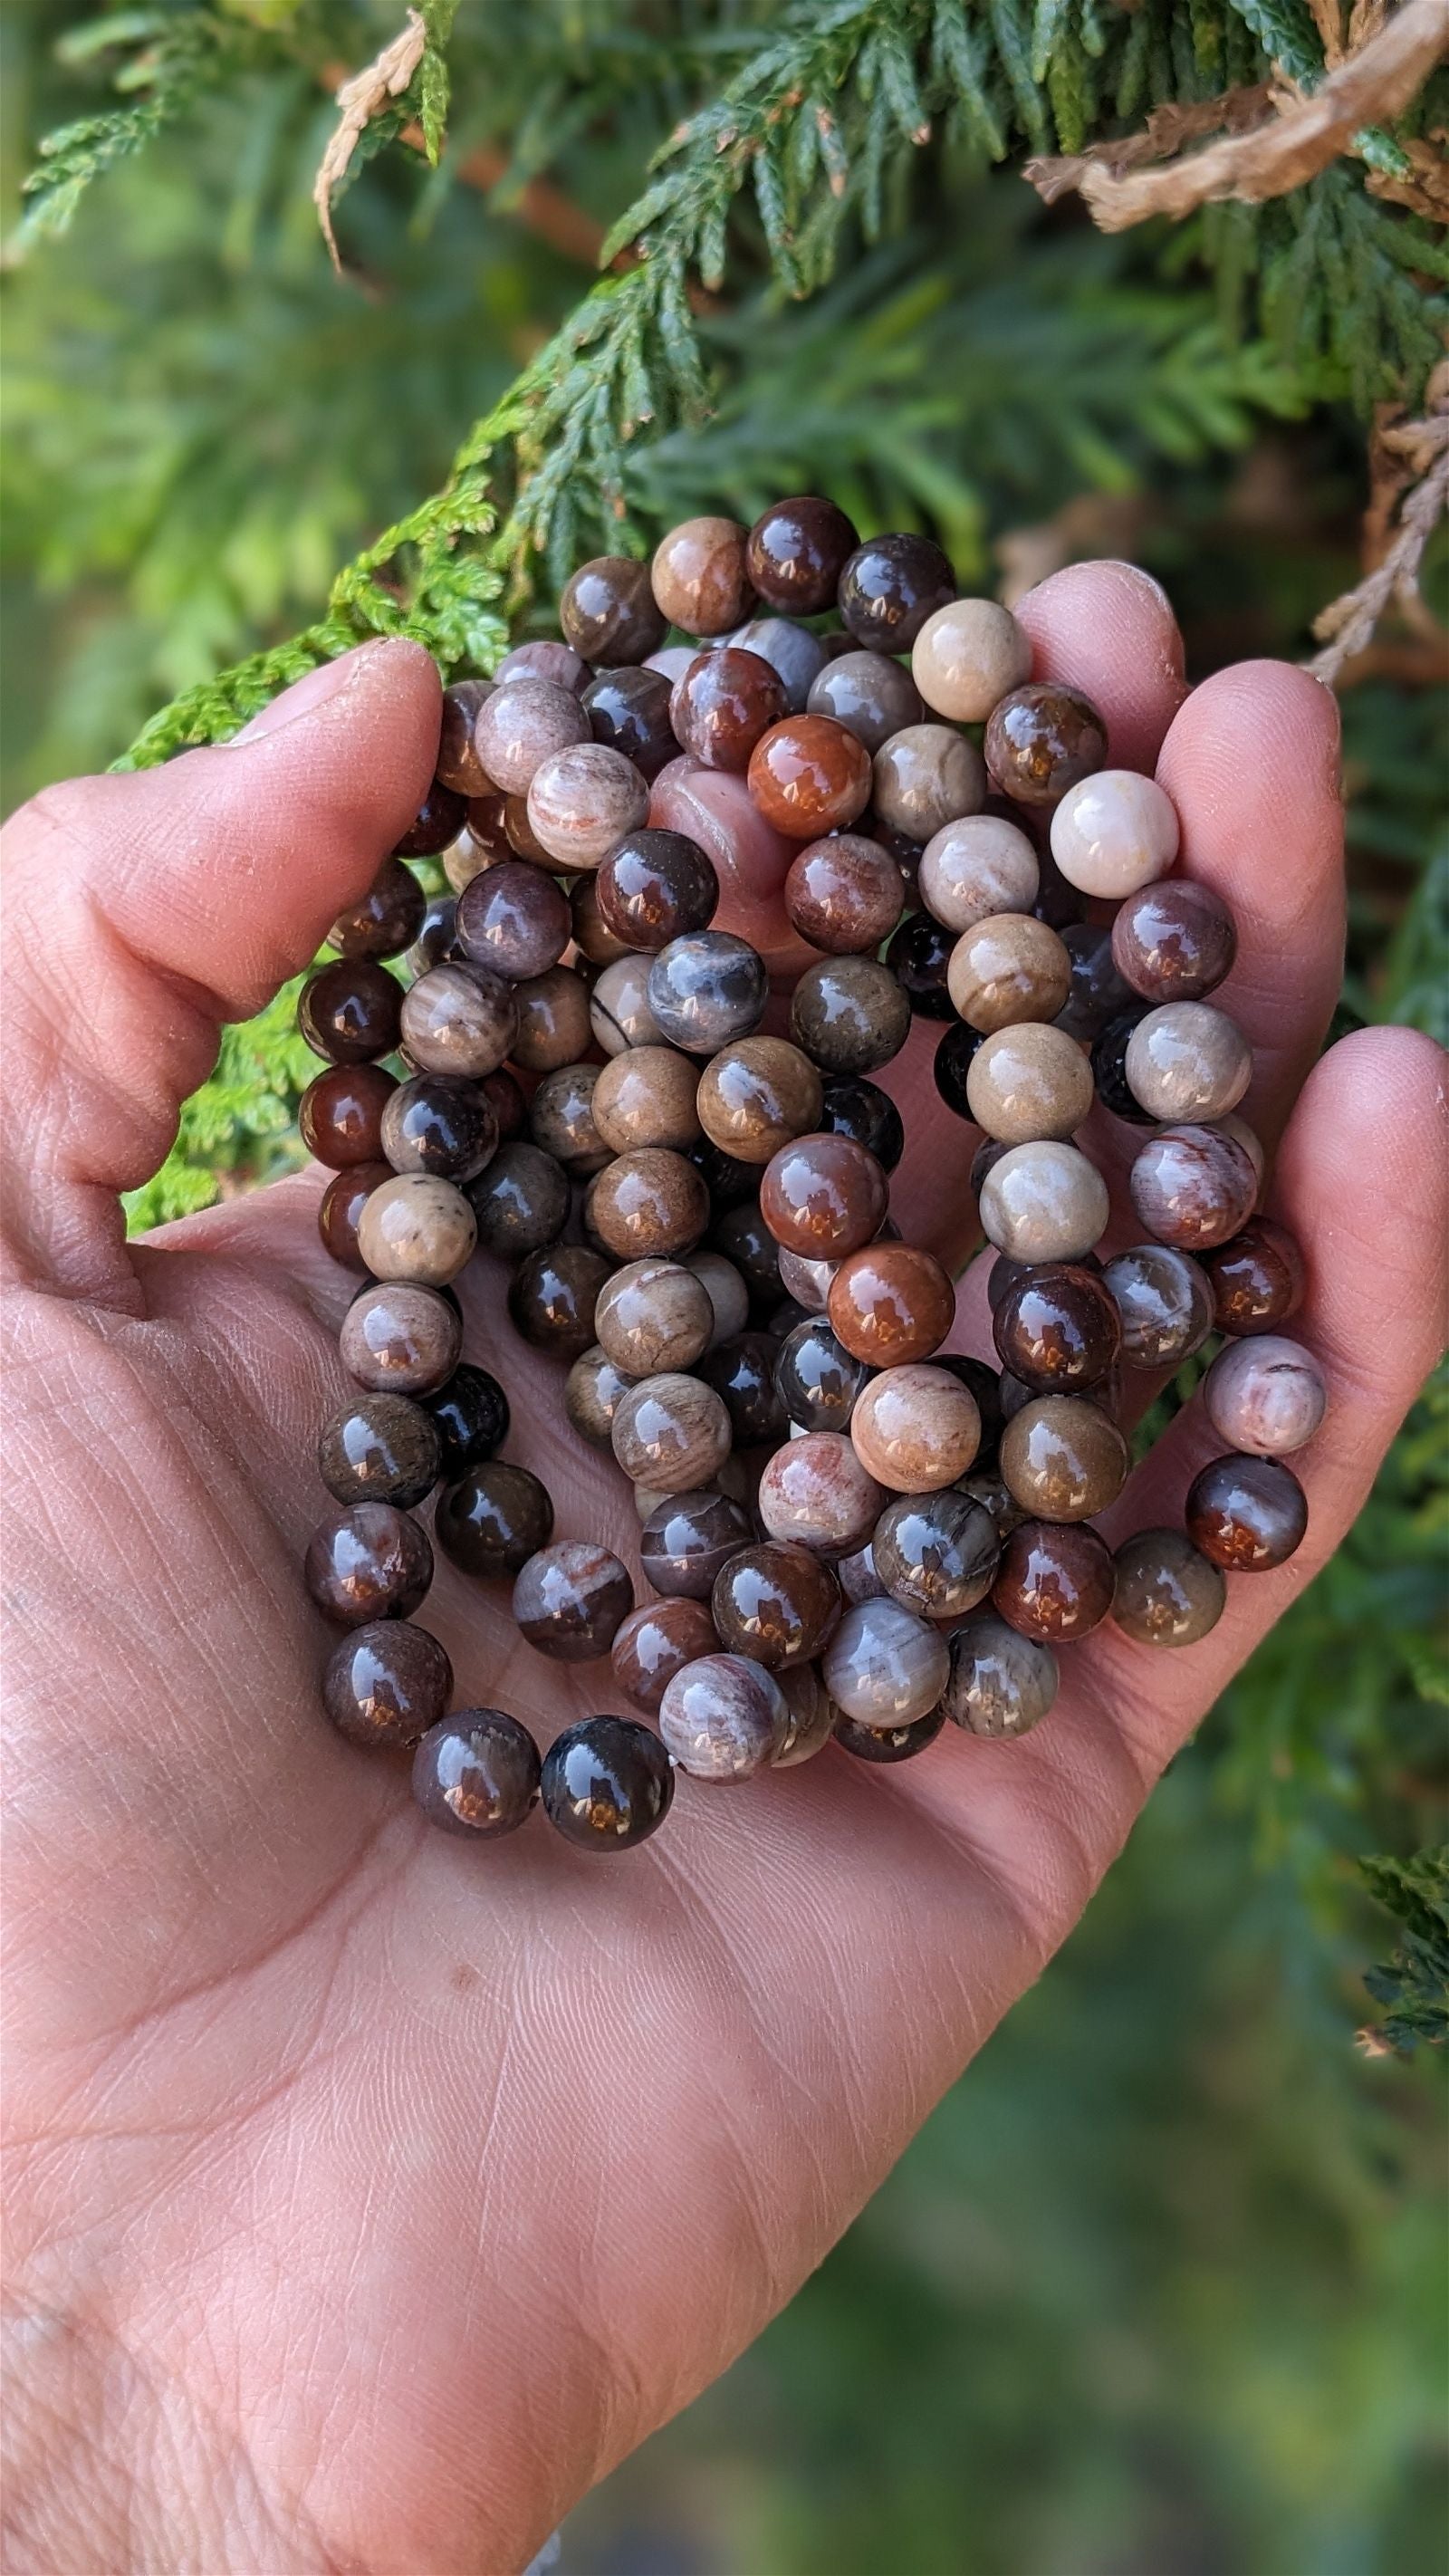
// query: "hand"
[[371, 2195]]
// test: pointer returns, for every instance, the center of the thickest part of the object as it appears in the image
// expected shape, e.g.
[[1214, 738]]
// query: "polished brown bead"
[[935, 1553], [815, 1491], [521, 726], [853, 1107], [849, 1014], [568, 1600], [521, 1201], [1266, 1395], [1174, 941], [349, 1013], [646, 1096], [1192, 1186], [807, 775], [628, 711], [650, 1202], [1044, 1202], [561, 1120], [742, 1373], [688, 1537], [471, 1414], [416, 1226], [340, 1208], [919, 956], [554, 1025], [1055, 1582], [400, 1338], [521, 838], [796, 553], [706, 990], [915, 1428], [380, 1449], [438, 820], [385, 1683], [1001, 1684], [890, 586], [823, 1196], [607, 1784], [459, 766], [816, 1378], [723, 1718], [742, 1235], [593, 939], [872, 696], [340, 1115], [439, 1125], [514, 918], [757, 1094], [505, 1098], [655, 1643], [699, 576], [1042, 739], [1246, 1514], [1257, 1280], [388, 918], [591, 1394], [925, 777], [493, 1519], [890, 1304], [1168, 1594], [459, 1019], [1097, 993], [888, 1743], [813, 1716], [1165, 1304], [776, 1603], [843, 894], [1009, 968], [619, 1013], [368, 1561], [655, 887], [544, 657], [552, 1295], [1063, 1458], [608, 611], [1058, 1329], [671, 1433], [653, 1315], [434, 941], [1028, 1082], [486, 832], [582, 801], [477, 1773], [723, 705]]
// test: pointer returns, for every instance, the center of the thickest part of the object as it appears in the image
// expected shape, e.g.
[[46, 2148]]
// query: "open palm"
[[371, 2194]]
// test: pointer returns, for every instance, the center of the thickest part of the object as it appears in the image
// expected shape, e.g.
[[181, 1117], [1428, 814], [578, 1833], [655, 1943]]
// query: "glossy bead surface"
[[851, 1106], [889, 587], [594, 941], [1114, 833], [915, 1428], [619, 1013], [523, 725], [672, 1433], [514, 918], [1001, 1684], [555, 1026], [1055, 1581], [470, 1412], [568, 1600], [607, 1784], [706, 990], [340, 1115], [1257, 1280], [808, 775], [1266, 1395], [647, 1204], [793, 653], [380, 1449], [919, 956], [890, 1303], [823, 1196], [1165, 1304], [459, 1019], [966, 657], [628, 711], [699, 576], [646, 1096], [552, 1295], [385, 1683], [872, 696], [723, 1718], [386, 920], [1174, 942], [340, 1208], [742, 1235], [1057, 1329], [583, 800], [592, 1391], [1097, 992], [728, 1295], [688, 1538], [1192, 1187], [1167, 1592], [776, 1603], [654, 887], [976, 865], [459, 766], [936, 1553], [796, 553], [544, 657], [816, 1378], [656, 1642], [608, 611], [561, 1120], [438, 820], [436, 1124], [815, 1491], [1007, 968], [1029, 1082], [849, 1014], [368, 1561], [843, 894], [1042, 739], [724, 704], [417, 1227], [350, 1012], [1044, 1202], [521, 1201], [742, 1373], [888, 1743], [1063, 1459], [951, 1072], [924, 778], [1109, 1067], [984, 1485], [477, 1773], [756, 1095], [400, 1339], [813, 1716], [1246, 1514], [1188, 1060], [653, 1315], [884, 1667], [493, 1519]]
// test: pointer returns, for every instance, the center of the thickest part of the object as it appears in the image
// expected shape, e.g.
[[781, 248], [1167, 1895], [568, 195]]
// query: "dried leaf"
[[366, 95], [1166, 130], [1408, 494]]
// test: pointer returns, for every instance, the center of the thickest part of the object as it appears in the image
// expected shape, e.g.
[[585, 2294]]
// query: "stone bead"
[[936, 1553], [470, 1412], [608, 611], [1165, 1304], [884, 1667], [607, 1784], [966, 657], [417, 1227], [857, 1576], [742, 1374], [888, 1743], [671, 1433], [756, 1095], [368, 1561], [1109, 1067], [628, 711], [434, 939], [796, 553], [340, 1115], [644, 1097], [504, 1096], [523, 725], [843, 894], [688, 1538], [477, 1773], [699, 576], [522, 839], [890, 1304], [486, 831], [1057, 1329], [706, 990], [984, 1486], [349, 1013], [742, 1235], [655, 1643], [808, 775], [724, 704], [849, 1014], [459, 766], [816, 1378], [924, 778], [1188, 1060], [647, 1204], [521, 1202], [1097, 992], [1266, 1395], [1192, 1187], [919, 957], [1055, 1582], [380, 1449], [776, 1603], [653, 1315], [728, 1296], [1044, 1202], [544, 657], [568, 1600], [813, 1716], [1114, 833], [493, 1519], [400, 1339], [1063, 1458], [619, 1012], [463, 860], [514, 918], [1257, 1280], [1001, 1684], [594, 941], [1246, 1514], [436, 1124], [951, 1073], [890, 586], [552, 1295], [554, 1022], [438, 820], [1006, 969], [915, 1429], [1042, 739], [793, 653], [1168, 1594], [561, 1120], [1174, 942], [385, 1683], [975, 866], [459, 1019], [1027, 1083], [583, 800], [853, 1107], [656, 887], [815, 1491], [723, 1718], [592, 1391], [823, 1196], [387, 919], [872, 696]]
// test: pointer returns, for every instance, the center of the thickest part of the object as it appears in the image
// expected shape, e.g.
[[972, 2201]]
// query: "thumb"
[[142, 911]]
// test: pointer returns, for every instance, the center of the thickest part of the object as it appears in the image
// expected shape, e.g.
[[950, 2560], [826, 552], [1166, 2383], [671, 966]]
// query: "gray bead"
[[723, 1717], [1001, 1683], [706, 989], [883, 1666]]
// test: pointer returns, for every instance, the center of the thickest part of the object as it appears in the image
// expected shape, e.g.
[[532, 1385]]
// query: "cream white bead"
[[1114, 833], [966, 657], [978, 865]]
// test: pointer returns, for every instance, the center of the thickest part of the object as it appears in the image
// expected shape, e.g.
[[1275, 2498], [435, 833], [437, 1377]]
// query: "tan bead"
[[554, 1027], [671, 1434], [1008, 968], [728, 1295], [924, 777], [757, 1095], [1044, 1202], [591, 1395], [1063, 1458], [816, 1491], [653, 1316], [975, 866], [1188, 1062], [966, 657], [1029, 1082], [646, 1096], [699, 578], [1114, 833], [915, 1429], [619, 1012], [417, 1227], [1168, 1594], [647, 1203], [583, 800], [459, 1019]]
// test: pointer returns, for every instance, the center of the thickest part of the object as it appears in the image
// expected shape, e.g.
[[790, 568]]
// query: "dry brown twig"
[[1409, 469], [367, 94]]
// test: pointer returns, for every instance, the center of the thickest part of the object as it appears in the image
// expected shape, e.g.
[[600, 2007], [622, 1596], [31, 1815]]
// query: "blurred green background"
[[1161, 2289]]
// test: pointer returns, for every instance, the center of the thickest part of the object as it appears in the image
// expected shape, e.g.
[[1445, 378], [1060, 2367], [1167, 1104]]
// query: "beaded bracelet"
[[849, 1533]]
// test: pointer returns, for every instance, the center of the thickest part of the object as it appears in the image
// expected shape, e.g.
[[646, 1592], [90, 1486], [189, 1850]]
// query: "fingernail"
[[306, 695]]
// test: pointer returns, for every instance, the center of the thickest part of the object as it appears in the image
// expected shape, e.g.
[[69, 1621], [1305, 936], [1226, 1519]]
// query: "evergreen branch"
[[1410, 479], [174, 60], [1415, 1982]]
